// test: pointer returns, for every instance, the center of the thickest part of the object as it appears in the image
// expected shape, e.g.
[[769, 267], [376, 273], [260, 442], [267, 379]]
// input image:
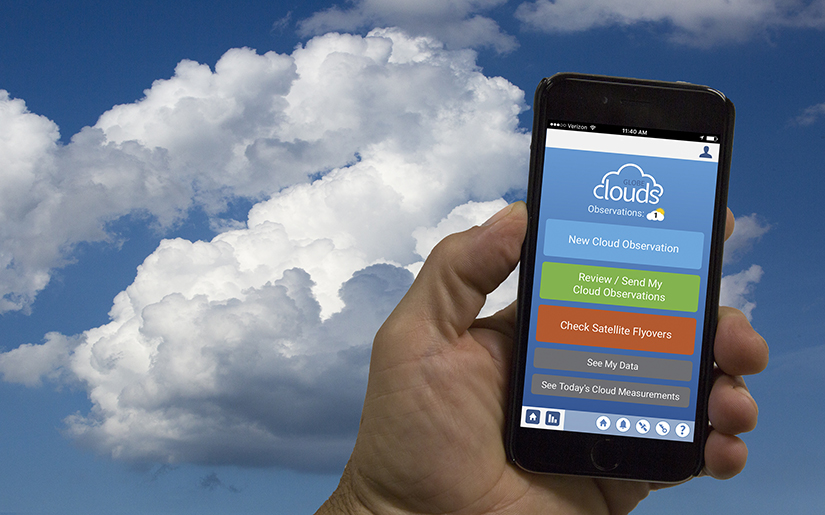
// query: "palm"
[[451, 430]]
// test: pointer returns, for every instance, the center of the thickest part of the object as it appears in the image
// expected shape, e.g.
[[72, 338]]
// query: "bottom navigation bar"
[[607, 423]]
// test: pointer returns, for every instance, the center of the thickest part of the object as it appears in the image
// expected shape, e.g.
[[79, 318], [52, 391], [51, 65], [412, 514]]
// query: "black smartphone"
[[619, 278]]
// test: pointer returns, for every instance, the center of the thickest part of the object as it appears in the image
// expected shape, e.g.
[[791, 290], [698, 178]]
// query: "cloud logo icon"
[[657, 215], [629, 184]]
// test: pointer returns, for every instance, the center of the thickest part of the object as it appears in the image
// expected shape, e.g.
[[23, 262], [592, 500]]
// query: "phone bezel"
[[633, 103]]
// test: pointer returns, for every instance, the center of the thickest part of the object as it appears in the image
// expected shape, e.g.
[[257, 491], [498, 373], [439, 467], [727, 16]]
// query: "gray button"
[[616, 364], [617, 391]]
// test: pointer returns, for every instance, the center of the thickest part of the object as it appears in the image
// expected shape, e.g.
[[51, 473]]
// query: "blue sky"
[[207, 209]]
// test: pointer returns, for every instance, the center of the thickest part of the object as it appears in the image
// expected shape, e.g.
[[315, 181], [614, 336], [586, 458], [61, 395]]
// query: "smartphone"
[[619, 278]]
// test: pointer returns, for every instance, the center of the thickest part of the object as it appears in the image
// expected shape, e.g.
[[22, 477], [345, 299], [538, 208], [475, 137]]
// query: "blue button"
[[533, 416], [624, 244]]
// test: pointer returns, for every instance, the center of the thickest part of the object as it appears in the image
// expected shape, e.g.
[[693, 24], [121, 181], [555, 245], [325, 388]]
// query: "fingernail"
[[498, 216]]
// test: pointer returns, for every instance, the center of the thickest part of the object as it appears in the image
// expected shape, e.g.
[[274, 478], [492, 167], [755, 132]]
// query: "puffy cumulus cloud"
[[183, 143], [29, 364], [737, 290], [254, 126], [212, 126], [700, 23], [253, 348], [456, 22], [27, 146], [255, 379]]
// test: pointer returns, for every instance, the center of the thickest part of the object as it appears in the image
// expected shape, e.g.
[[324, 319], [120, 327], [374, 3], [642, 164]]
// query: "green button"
[[619, 287]]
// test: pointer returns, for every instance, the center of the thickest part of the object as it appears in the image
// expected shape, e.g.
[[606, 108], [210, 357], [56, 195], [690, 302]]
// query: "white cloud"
[[747, 231], [191, 139], [29, 364], [27, 147], [255, 125], [257, 379], [737, 290], [456, 22], [810, 115], [253, 348], [699, 23]]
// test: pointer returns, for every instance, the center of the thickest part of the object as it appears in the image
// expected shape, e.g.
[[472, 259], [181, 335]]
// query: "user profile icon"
[[706, 153]]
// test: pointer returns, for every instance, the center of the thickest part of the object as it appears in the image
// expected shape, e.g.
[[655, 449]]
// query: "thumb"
[[462, 269]]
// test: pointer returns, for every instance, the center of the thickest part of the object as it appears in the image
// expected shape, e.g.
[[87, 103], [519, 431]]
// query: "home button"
[[606, 454]]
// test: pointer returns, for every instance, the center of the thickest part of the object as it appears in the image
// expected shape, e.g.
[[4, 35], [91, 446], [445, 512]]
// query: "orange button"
[[616, 329]]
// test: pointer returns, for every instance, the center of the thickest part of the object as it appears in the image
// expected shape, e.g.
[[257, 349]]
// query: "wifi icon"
[[592, 127]]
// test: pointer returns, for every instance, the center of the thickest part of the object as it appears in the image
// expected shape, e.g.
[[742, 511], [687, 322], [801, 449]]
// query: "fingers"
[[461, 270], [725, 455], [731, 409], [738, 349]]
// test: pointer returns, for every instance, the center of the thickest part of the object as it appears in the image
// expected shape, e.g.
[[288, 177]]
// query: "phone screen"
[[620, 281]]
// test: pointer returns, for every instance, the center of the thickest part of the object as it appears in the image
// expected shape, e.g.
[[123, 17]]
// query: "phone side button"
[[606, 454]]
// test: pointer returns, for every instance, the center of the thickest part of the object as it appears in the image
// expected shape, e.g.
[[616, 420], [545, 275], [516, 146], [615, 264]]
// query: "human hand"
[[430, 439]]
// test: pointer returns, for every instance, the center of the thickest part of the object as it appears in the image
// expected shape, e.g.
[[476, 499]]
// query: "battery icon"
[[712, 139]]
